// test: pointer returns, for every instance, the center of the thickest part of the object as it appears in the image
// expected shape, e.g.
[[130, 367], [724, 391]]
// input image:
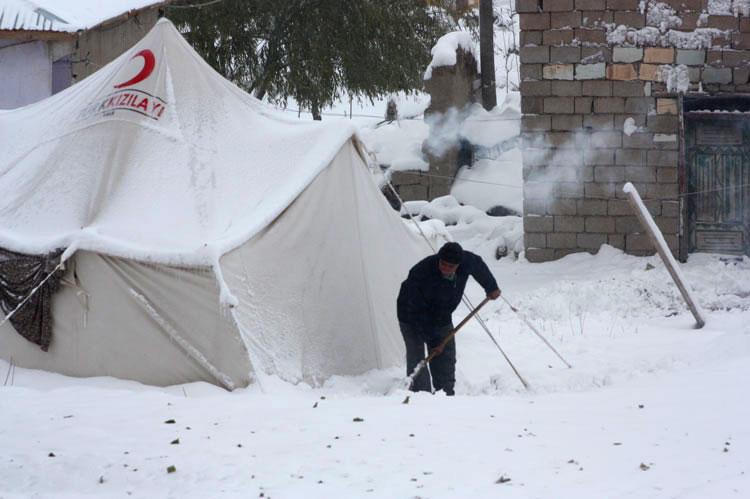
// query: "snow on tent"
[[203, 236]]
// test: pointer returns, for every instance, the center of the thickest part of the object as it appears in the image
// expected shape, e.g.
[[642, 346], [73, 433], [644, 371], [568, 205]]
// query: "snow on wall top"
[[444, 51], [63, 15], [155, 157]]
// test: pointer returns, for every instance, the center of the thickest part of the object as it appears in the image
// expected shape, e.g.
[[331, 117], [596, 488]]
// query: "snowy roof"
[[64, 15], [155, 157]]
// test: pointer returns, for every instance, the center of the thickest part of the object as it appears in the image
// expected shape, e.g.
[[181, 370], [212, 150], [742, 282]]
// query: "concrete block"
[[666, 106], [559, 105], [591, 241], [539, 255], [558, 72], [590, 4], [592, 207], [599, 190], [630, 157], [598, 121], [557, 5], [608, 105], [666, 175], [648, 72], [567, 122], [622, 72], [632, 19], [569, 224], [584, 105], [656, 55], [530, 38], [566, 88], [562, 55], [536, 123], [627, 54], [535, 240], [619, 207], [616, 241], [591, 36], [530, 72], [670, 208], [570, 190], [663, 158], [558, 37], [596, 88], [717, 75], [528, 6], [609, 173], [662, 123], [724, 23], [531, 55], [562, 240], [691, 57], [563, 20], [532, 105], [605, 139], [534, 21], [640, 173], [639, 105], [740, 76], [628, 225], [600, 224], [562, 207], [622, 4], [599, 157], [536, 88], [590, 71], [534, 223]]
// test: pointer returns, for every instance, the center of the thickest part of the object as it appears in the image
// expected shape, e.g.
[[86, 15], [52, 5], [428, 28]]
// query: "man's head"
[[450, 256]]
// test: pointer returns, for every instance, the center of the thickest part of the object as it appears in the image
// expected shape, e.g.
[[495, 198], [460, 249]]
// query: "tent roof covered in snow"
[[207, 165], [176, 192]]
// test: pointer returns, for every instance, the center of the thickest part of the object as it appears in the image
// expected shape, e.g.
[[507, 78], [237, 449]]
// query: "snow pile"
[[700, 38], [629, 127], [729, 7], [489, 128], [444, 51], [677, 78], [488, 236], [398, 144], [651, 407], [662, 16], [492, 182], [660, 30]]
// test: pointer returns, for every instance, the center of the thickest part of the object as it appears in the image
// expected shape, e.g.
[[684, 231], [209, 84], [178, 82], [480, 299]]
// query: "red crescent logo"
[[149, 62]]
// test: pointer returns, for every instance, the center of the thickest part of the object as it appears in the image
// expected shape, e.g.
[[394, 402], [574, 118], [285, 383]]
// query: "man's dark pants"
[[442, 367]]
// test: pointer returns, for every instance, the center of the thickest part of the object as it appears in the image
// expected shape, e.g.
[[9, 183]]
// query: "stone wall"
[[601, 86], [451, 89]]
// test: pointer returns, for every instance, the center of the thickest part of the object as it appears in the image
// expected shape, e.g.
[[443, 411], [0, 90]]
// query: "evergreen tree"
[[316, 50]]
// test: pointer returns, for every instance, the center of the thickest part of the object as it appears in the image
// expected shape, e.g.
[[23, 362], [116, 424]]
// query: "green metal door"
[[718, 175]]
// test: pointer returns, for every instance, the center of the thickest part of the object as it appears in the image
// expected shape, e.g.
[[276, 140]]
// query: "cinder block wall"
[[601, 107]]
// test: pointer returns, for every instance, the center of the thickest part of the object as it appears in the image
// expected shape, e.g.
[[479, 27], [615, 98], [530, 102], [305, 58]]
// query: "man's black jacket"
[[427, 300]]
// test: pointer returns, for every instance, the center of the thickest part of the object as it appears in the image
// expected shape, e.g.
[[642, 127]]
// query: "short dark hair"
[[451, 253]]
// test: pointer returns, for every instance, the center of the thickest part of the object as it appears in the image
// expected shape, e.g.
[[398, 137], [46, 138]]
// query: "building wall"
[[601, 85], [26, 74]]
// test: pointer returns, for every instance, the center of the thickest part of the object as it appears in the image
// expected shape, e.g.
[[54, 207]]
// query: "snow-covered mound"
[[490, 237]]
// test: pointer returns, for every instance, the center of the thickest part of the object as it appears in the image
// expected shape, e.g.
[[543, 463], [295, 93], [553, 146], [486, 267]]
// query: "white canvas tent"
[[207, 238]]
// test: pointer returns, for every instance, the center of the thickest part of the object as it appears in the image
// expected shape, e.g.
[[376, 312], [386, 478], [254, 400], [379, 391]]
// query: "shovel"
[[407, 384]]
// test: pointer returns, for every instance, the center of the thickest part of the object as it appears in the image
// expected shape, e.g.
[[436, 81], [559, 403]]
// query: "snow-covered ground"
[[651, 407]]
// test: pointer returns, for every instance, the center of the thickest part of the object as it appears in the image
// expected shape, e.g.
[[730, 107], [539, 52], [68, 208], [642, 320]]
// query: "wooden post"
[[666, 255]]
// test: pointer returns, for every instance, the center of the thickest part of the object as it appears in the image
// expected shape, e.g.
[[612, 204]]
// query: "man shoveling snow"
[[426, 302]]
